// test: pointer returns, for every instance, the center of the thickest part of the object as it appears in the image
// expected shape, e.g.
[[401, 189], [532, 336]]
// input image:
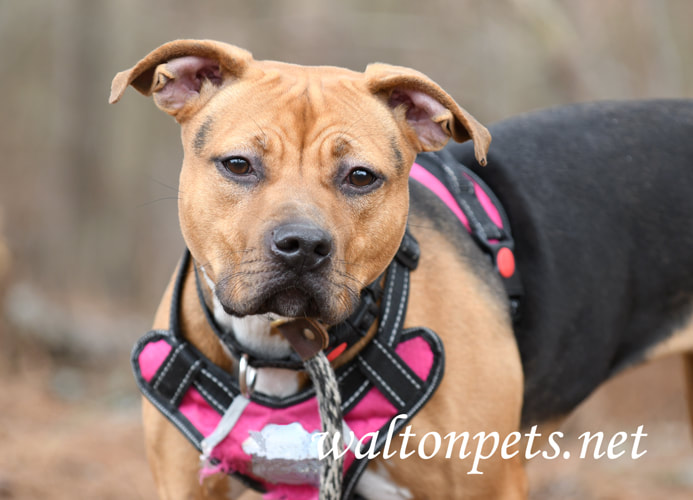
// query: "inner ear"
[[425, 115], [179, 80]]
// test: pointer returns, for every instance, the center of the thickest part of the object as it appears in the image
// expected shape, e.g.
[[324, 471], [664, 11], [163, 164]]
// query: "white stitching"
[[169, 363], [356, 394], [380, 379], [204, 392], [397, 365], [398, 318], [209, 375], [184, 383], [346, 373]]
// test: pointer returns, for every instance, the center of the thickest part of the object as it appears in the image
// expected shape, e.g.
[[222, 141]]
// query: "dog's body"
[[598, 198], [601, 196]]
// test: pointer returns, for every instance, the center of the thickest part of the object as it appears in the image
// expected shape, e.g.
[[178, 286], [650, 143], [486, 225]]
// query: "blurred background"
[[88, 215]]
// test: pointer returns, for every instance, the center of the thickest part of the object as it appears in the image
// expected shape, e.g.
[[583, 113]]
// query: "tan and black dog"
[[295, 194]]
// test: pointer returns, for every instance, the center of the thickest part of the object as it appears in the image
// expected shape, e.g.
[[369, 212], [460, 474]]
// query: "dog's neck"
[[254, 333]]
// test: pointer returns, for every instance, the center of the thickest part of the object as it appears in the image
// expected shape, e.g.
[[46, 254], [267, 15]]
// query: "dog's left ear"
[[429, 112]]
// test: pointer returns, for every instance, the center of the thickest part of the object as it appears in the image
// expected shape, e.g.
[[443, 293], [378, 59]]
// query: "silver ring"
[[247, 375]]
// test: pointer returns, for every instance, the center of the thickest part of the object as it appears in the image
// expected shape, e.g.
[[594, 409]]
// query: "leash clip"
[[247, 376]]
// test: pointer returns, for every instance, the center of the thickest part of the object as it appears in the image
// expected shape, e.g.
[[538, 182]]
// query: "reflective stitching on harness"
[[358, 392], [397, 365], [400, 311], [346, 373], [169, 363], [184, 383], [211, 377], [211, 399], [389, 389]]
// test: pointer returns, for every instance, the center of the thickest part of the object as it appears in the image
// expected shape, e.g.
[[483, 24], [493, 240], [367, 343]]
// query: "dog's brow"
[[397, 153], [202, 134], [341, 147]]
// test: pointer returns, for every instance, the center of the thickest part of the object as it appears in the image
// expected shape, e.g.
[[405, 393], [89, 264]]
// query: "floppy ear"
[[427, 109], [183, 75]]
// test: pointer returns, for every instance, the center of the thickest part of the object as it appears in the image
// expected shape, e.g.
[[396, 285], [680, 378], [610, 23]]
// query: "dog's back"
[[600, 198]]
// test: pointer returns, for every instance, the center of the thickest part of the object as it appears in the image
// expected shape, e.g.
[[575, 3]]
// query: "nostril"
[[288, 244], [323, 248]]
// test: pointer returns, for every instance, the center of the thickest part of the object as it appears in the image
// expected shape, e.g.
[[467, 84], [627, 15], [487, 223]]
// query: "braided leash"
[[329, 403], [309, 338]]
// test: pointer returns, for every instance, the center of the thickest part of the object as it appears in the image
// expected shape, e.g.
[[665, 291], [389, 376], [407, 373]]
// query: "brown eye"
[[360, 177], [237, 165]]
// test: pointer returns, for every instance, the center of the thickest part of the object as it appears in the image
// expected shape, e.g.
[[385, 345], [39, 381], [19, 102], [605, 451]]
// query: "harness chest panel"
[[194, 394]]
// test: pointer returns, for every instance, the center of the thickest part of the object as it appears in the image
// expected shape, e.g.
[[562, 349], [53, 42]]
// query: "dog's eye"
[[237, 165], [360, 177]]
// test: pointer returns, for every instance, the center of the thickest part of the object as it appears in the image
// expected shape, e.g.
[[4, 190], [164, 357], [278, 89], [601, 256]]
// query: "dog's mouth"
[[291, 297], [290, 302]]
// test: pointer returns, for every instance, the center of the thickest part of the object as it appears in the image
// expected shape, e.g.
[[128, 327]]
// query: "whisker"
[[146, 204], [163, 184]]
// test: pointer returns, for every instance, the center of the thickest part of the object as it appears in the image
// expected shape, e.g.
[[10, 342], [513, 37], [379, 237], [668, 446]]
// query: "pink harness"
[[394, 375]]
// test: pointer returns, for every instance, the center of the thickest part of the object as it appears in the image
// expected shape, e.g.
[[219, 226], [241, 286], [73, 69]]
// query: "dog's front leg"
[[175, 463]]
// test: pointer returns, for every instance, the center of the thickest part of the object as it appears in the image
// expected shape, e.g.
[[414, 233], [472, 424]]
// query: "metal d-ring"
[[247, 376]]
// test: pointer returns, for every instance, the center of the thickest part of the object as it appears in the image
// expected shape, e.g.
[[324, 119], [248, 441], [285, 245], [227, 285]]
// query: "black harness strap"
[[177, 374]]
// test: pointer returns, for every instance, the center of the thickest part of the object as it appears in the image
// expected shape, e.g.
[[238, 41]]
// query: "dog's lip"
[[286, 302], [261, 299]]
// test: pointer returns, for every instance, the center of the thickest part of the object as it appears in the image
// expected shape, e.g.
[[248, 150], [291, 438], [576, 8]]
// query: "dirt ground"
[[69, 431]]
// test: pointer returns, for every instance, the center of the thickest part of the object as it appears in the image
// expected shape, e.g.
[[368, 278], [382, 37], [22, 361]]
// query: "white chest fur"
[[253, 333]]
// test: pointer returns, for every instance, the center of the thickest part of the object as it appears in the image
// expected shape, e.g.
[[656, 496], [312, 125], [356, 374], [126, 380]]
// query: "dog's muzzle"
[[294, 276]]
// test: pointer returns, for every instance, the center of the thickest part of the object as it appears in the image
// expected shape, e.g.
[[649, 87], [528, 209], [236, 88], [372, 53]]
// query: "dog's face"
[[295, 193], [294, 186]]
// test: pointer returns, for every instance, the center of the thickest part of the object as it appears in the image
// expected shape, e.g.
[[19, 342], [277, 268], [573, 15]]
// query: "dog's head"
[[294, 186]]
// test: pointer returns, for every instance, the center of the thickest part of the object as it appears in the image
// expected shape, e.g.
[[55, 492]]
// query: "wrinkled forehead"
[[319, 90], [295, 104]]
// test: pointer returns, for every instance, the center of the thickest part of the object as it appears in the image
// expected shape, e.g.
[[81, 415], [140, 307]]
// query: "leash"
[[309, 339], [329, 404]]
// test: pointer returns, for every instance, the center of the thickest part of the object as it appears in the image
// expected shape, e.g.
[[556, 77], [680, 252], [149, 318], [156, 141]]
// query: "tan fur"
[[681, 341], [302, 122]]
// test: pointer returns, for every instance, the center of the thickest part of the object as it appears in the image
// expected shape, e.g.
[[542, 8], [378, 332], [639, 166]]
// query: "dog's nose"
[[303, 246]]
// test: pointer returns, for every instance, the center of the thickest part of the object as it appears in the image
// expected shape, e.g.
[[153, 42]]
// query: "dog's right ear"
[[183, 75]]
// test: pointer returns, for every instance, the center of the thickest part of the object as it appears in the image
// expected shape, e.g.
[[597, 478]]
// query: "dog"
[[295, 195]]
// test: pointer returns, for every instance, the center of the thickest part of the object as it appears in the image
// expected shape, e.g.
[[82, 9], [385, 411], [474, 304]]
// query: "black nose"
[[302, 246]]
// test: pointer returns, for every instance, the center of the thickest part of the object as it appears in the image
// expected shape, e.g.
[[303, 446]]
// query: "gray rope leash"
[[329, 403], [309, 338]]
